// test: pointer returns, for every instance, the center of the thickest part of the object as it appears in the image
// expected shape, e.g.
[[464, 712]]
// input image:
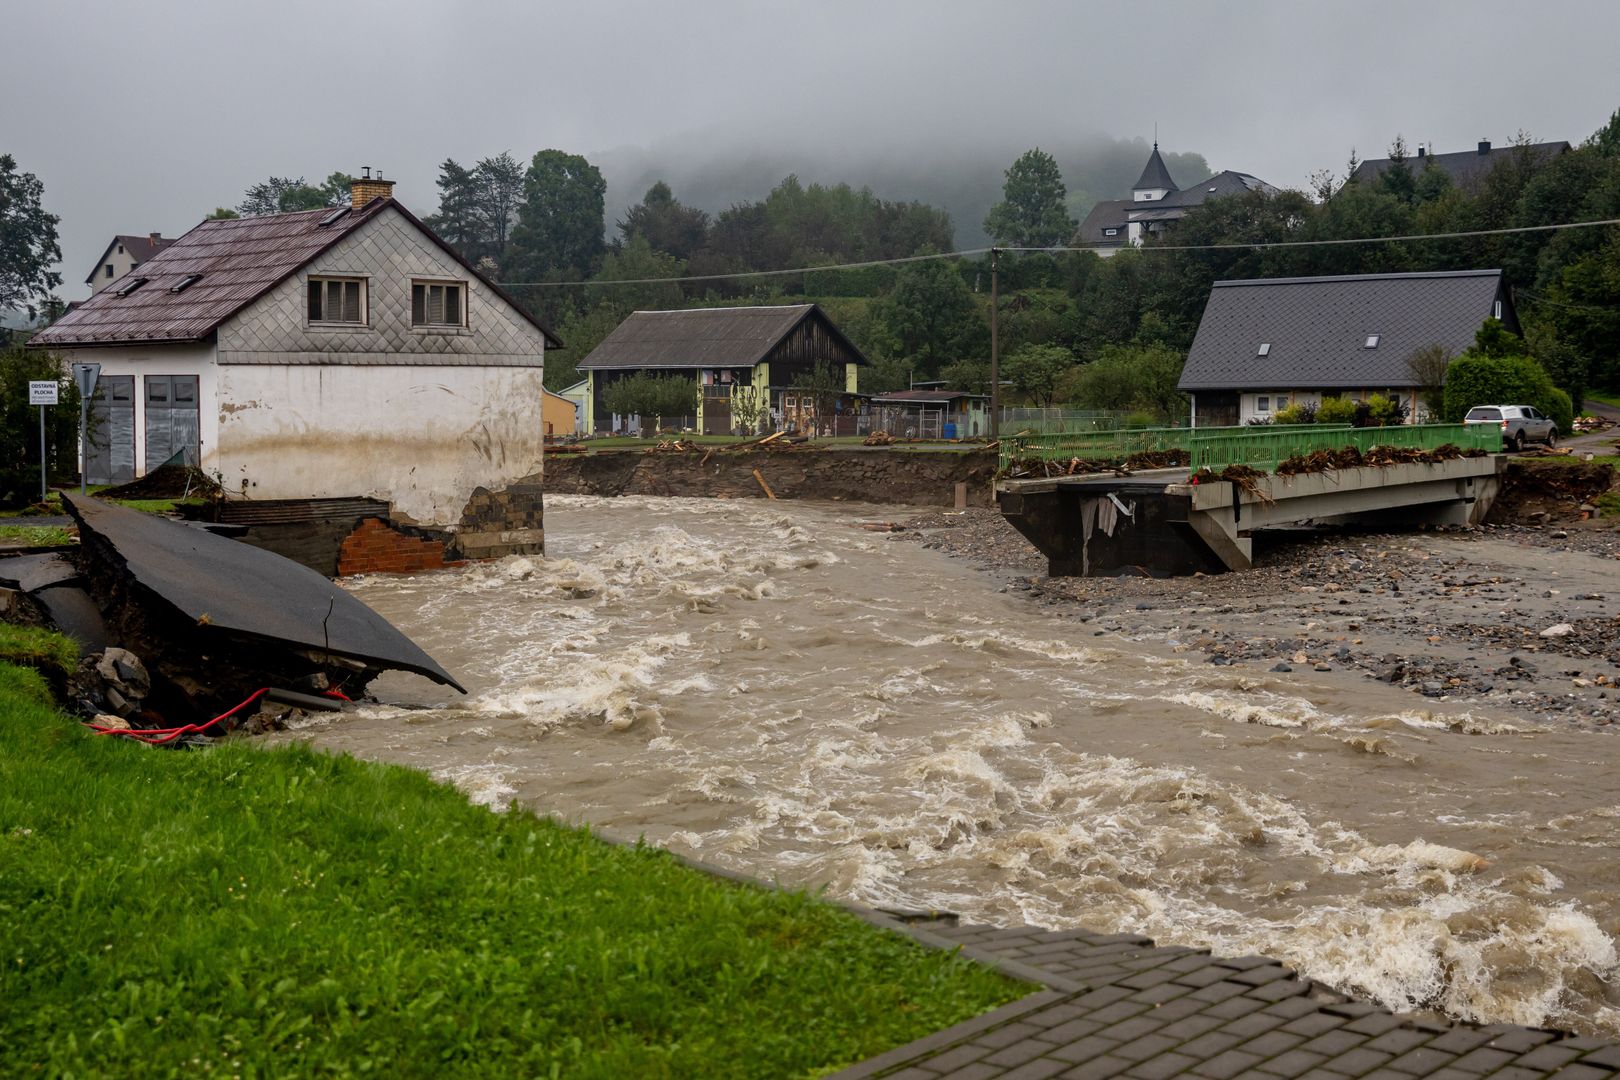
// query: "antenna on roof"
[[1155, 134]]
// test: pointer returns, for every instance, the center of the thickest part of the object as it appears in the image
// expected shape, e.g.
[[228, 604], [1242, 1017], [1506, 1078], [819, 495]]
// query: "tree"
[[28, 245], [559, 228], [650, 396], [19, 425], [1398, 179], [1497, 370], [1031, 212], [222, 213], [1124, 377], [457, 218], [931, 318], [748, 404], [664, 223], [282, 195], [1034, 370], [497, 191], [1428, 366], [825, 384]]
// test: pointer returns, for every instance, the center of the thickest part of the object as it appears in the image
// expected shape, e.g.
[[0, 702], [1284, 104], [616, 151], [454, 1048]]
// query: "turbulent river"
[[767, 688]]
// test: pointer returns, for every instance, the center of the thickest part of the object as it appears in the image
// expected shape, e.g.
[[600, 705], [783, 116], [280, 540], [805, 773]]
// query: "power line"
[[968, 252]]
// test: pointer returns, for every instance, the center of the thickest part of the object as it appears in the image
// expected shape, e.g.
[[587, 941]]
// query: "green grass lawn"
[[1604, 397], [839, 442], [247, 911], [35, 535]]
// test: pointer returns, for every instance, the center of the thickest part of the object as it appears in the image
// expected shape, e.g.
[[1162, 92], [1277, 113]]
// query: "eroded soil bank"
[[848, 474]]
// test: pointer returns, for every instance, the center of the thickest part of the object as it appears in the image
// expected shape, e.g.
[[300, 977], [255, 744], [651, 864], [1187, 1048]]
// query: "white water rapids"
[[767, 688]]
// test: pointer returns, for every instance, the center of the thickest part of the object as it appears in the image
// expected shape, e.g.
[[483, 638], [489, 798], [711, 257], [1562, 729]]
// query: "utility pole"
[[995, 343]]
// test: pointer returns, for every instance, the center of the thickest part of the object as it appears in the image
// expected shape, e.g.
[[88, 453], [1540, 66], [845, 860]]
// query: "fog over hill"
[[713, 171]]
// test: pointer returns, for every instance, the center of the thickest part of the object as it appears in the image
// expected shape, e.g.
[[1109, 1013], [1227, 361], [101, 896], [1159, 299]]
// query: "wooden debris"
[[768, 492]]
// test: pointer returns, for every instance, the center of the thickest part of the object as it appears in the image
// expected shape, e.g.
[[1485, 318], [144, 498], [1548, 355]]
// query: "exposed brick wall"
[[375, 546]]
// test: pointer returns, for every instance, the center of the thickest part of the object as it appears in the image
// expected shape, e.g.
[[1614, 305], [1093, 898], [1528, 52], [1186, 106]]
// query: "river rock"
[[1562, 629]]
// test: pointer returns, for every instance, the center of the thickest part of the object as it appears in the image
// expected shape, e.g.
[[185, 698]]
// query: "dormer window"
[[337, 301], [1264, 349], [1372, 341]]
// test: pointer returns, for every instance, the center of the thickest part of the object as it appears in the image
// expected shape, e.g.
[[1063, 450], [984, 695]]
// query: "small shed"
[[931, 414]]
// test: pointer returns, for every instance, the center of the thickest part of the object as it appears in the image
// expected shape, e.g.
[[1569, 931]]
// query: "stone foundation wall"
[[510, 521]]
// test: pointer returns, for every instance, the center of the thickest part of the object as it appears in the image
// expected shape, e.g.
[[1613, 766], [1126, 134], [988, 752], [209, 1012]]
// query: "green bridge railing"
[[1259, 447]]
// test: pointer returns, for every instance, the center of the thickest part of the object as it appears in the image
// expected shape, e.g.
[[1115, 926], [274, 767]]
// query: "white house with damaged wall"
[[316, 355]]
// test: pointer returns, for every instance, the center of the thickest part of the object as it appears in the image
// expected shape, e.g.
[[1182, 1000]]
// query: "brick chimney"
[[365, 188], [1484, 146]]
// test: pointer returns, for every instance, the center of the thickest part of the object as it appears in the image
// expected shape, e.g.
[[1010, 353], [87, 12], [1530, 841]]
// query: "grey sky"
[[143, 117]]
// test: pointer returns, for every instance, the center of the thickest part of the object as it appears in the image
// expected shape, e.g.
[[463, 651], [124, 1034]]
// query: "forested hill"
[[963, 179]]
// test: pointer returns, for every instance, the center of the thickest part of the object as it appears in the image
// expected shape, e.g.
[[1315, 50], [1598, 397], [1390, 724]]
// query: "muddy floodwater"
[[767, 688]]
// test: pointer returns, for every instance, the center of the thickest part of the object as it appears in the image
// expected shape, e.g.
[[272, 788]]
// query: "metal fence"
[[1259, 447], [1264, 447]]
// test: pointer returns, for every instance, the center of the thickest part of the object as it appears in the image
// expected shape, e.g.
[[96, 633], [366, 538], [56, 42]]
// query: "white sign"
[[42, 392]]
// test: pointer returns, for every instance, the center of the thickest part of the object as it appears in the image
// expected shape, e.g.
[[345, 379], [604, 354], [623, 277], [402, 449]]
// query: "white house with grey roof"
[[1265, 344], [336, 353], [1156, 204]]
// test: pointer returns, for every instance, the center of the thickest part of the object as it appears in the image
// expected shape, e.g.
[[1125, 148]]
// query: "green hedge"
[[1472, 380]]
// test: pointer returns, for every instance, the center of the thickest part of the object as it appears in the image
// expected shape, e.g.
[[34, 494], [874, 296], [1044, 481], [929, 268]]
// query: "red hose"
[[159, 736]]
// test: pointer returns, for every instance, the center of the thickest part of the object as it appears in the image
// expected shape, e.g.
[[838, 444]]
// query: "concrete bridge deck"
[[1160, 522]]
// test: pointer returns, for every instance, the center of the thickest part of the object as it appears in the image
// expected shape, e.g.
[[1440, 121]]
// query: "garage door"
[[110, 457], [171, 419]]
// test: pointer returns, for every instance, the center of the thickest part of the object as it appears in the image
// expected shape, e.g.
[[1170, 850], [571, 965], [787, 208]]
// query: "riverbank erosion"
[[316, 914], [910, 477]]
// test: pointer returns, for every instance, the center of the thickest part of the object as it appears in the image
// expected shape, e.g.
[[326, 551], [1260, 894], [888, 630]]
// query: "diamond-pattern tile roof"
[[1317, 328], [238, 260]]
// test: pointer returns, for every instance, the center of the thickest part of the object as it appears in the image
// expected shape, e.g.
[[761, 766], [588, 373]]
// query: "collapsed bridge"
[[1195, 497]]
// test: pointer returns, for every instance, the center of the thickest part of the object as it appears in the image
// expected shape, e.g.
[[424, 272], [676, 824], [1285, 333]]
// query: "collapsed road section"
[[193, 624]]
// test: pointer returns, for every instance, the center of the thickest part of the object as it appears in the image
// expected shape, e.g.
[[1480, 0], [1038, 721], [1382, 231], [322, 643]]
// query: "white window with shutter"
[[438, 303], [337, 301]]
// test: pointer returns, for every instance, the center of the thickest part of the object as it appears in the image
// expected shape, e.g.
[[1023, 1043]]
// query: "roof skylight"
[[1264, 349], [1372, 341], [185, 283], [333, 216], [129, 286]]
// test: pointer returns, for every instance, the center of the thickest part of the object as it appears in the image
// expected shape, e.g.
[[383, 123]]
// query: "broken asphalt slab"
[[230, 589]]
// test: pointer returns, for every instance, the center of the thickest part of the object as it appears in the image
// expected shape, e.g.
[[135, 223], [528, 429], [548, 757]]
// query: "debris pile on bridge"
[[1023, 468], [1349, 457]]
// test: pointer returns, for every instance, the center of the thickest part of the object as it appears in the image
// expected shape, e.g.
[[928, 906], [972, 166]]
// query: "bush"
[[1475, 379], [1300, 412], [1385, 411], [1336, 410]]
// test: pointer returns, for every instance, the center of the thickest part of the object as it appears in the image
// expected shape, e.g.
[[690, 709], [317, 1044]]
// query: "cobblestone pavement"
[[1118, 1006]]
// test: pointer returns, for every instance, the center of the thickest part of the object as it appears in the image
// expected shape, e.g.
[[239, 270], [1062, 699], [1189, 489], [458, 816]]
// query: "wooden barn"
[[745, 360]]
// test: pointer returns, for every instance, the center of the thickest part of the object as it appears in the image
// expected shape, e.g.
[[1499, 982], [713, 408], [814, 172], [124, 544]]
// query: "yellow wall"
[[557, 414]]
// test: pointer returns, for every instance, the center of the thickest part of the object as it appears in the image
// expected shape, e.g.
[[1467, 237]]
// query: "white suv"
[[1520, 424]]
